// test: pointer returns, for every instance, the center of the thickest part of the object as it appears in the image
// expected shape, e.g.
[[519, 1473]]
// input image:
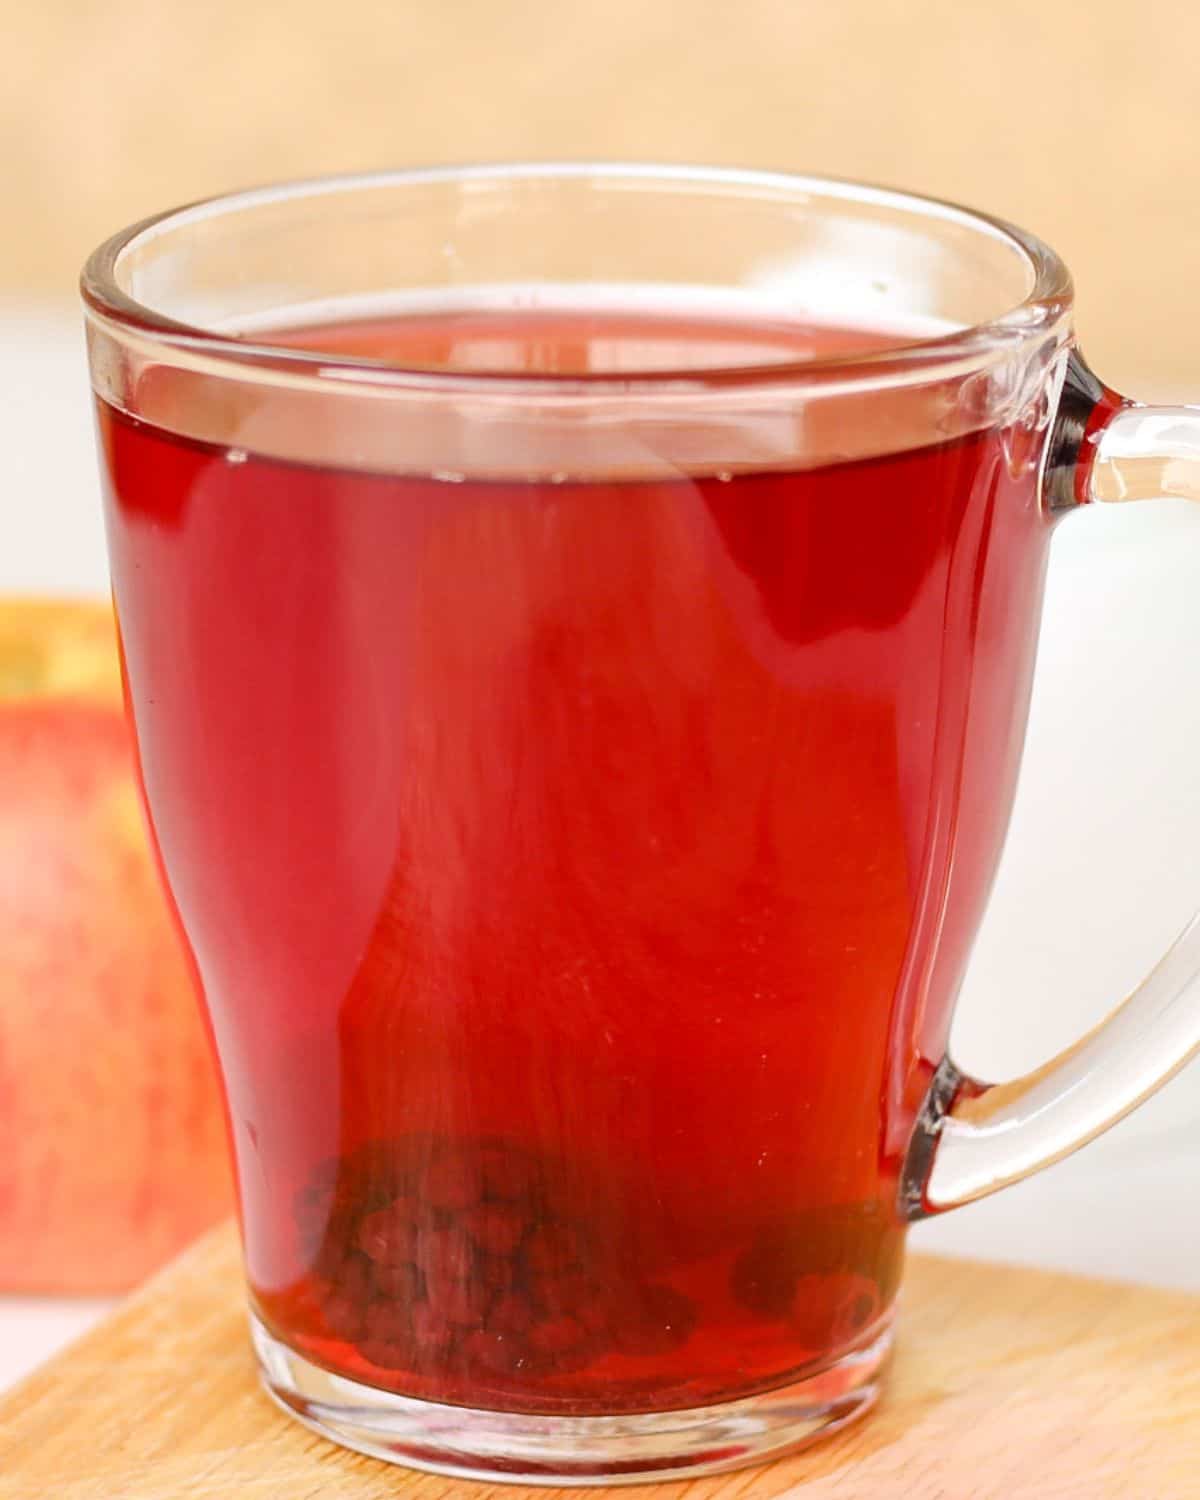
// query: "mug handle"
[[972, 1138]]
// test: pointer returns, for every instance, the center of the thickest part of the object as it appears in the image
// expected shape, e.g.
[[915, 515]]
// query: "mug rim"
[[1047, 302]]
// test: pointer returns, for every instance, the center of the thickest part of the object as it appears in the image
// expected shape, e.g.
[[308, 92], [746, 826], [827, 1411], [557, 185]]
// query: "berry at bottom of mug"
[[480, 1273]]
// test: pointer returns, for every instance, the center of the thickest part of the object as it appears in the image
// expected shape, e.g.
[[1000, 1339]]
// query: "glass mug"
[[578, 625]]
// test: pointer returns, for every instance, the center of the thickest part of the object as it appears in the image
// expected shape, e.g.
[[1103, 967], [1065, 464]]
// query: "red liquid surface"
[[579, 874]]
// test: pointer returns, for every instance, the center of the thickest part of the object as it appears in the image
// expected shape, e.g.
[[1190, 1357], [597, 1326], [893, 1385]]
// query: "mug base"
[[520, 1447]]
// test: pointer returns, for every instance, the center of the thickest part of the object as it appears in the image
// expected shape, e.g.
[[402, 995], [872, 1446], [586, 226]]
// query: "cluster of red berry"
[[461, 1262], [827, 1276]]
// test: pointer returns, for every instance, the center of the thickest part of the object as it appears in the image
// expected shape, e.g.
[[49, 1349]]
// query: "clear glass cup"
[[578, 625]]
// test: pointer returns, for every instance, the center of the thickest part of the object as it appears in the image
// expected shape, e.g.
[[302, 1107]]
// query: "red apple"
[[112, 1146]]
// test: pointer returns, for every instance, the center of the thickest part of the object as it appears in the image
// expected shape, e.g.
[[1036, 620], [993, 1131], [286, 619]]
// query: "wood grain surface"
[[1008, 1385]]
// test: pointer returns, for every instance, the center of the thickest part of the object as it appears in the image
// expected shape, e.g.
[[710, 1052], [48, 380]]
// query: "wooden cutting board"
[[1007, 1384]]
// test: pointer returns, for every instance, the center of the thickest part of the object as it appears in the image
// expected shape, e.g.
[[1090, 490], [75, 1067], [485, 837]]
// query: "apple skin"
[[112, 1142]]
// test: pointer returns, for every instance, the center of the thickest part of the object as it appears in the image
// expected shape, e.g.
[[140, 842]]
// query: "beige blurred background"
[[1080, 120], [1077, 118]]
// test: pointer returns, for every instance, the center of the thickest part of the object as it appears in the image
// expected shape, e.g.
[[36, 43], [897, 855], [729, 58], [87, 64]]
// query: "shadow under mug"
[[578, 625]]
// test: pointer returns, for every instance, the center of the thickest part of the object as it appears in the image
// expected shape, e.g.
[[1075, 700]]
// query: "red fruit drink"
[[552, 852]]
